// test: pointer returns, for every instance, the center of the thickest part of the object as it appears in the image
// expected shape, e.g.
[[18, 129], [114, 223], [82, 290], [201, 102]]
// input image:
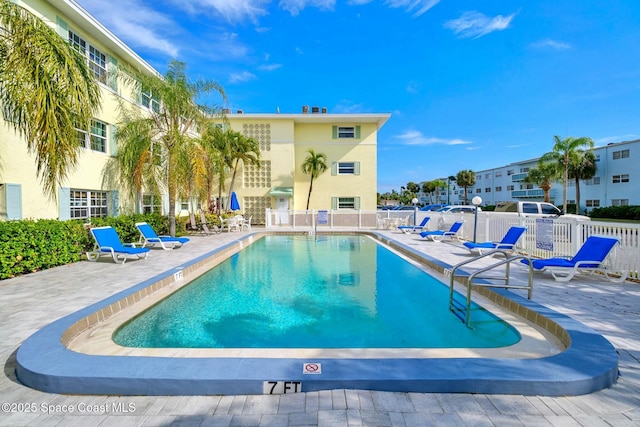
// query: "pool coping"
[[589, 363]]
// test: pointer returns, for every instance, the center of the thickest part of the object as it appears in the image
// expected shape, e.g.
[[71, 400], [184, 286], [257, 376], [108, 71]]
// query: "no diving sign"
[[312, 368]]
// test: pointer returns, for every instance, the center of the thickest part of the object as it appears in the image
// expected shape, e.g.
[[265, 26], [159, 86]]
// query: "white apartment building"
[[613, 184]]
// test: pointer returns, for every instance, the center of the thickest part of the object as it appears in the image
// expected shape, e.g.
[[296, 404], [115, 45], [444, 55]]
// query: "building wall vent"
[[315, 110]]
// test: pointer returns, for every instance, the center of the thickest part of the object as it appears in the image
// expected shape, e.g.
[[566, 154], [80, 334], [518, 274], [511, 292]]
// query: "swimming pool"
[[338, 291], [75, 354]]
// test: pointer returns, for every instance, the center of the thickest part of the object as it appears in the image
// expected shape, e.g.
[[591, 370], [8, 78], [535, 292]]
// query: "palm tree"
[[152, 145], [466, 178], [543, 176], [563, 150], [314, 165], [431, 187], [46, 91], [582, 166], [241, 149]]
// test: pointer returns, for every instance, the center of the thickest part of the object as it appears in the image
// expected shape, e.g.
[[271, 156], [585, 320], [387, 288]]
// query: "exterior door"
[[282, 210]]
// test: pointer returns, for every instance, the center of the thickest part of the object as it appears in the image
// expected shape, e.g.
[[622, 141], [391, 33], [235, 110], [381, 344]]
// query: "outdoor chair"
[[438, 235], [508, 242], [408, 229], [148, 237], [589, 258], [108, 243]]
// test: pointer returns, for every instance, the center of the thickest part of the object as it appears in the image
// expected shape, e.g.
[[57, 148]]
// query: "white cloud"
[[346, 106], [415, 137], [418, 7], [270, 67], [230, 10], [475, 24], [146, 28], [295, 6], [550, 44], [243, 76], [414, 87], [358, 2]]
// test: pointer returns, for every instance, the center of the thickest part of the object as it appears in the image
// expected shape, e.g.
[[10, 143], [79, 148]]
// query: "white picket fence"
[[568, 234]]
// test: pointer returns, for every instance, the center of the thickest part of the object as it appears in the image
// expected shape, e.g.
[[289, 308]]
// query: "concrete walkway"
[[32, 301]]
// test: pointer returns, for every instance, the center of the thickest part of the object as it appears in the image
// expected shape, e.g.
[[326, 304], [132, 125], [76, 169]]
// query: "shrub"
[[28, 245], [617, 212]]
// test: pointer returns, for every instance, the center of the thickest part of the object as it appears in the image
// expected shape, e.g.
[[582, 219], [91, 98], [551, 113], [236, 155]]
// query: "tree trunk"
[[309, 196], [233, 178], [577, 196]]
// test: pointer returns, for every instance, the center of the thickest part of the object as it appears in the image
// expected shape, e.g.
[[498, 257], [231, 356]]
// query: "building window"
[[478, 190], [620, 202], [498, 189], [487, 175], [487, 190], [523, 170], [498, 174], [151, 204], [622, 154], [620, 178], [510, 172], [511, 187], [346, 132], [88, 204], [478, 177], [149, 100], [95, 58], [593, 203], [346, 168], [96, 139], [593, 181], [346, 203]]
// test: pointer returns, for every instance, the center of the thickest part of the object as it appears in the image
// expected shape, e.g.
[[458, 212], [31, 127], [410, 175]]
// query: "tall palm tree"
[[314, 164], [543, 176], [241, 149], [582, 166], [431, 187], [466, 178], [46, 92], [162, 136], [563, 150]]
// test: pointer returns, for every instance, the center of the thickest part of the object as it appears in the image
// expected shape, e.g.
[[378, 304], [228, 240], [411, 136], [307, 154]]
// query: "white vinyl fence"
[[560, 236]]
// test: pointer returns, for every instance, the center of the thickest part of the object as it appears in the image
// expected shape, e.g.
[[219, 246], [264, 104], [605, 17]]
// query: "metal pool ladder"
[[468, 280]]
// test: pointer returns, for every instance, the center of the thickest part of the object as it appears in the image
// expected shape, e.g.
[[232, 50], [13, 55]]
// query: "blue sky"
[[469, 84]]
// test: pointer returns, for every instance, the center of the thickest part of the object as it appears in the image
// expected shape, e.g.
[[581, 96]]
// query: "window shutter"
[[113, 73], [334, 132], [113, 141], [62, 28], [115, 203], [334, 168], [356, 202], [13, 201], [64, 203], [357, 132], [356, 168], [334, 203]]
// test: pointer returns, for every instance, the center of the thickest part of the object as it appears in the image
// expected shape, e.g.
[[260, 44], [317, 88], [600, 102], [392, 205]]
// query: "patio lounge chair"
[[438, 235], [507, 243], [589, 258], [108, 243], [149, 237], [408, 229]]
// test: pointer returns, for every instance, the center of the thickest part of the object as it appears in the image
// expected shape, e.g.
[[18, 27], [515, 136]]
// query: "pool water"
[[313, 292]]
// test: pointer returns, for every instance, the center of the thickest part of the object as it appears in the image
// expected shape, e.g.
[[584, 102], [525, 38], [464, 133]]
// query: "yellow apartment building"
[[348, 140]]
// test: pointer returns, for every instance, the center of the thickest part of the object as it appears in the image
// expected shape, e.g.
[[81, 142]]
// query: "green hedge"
[[27, 246], [617, 212]]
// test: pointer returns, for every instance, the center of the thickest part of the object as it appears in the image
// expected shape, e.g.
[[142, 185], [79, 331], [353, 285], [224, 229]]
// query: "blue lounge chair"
[[149, 237], [507, 243], [108, 243], [589, 258], [438, 235], [407, 229]]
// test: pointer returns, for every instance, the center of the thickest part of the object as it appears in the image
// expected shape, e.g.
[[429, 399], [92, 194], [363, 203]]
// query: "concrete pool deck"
[[30, 302]]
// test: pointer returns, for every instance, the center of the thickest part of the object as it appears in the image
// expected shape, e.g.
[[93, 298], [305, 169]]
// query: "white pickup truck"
[[537, 209]]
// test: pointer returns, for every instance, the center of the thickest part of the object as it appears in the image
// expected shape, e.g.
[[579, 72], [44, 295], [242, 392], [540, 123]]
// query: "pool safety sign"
[[312, 368], [323, 217], [544, 234]]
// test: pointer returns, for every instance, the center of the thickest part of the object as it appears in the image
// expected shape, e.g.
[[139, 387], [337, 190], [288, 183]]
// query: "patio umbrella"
[[235, 206]]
